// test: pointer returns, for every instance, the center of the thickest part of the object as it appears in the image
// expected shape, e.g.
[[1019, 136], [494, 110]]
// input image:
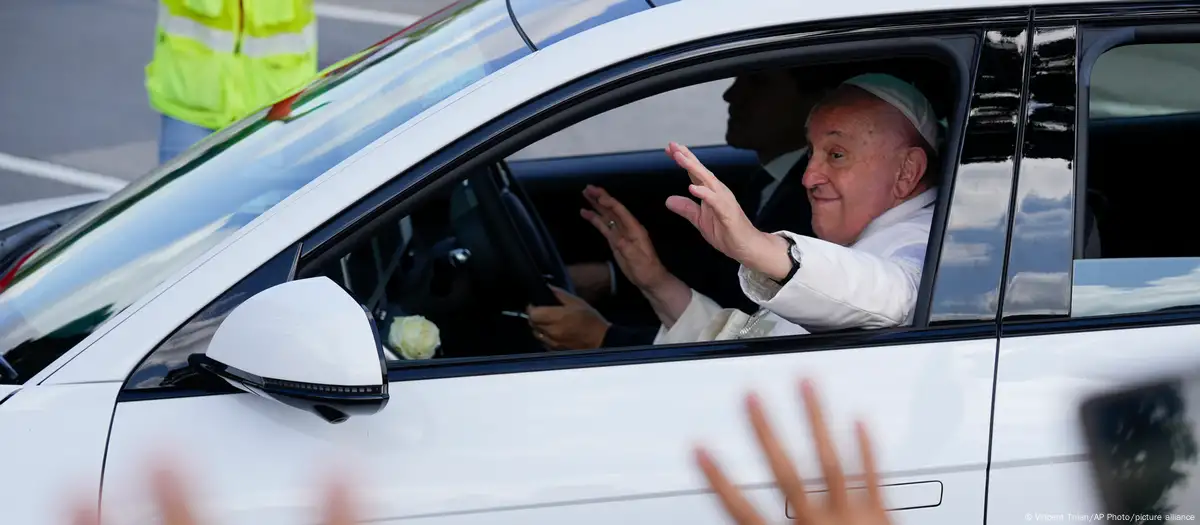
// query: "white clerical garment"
[[872, 283]]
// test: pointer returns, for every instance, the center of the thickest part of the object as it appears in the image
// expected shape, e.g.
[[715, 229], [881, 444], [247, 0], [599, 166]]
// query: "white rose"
[[414, 336]]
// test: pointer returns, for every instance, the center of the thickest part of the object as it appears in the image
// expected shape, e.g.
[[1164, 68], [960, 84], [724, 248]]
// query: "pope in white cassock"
[[872, 211], [873, 140]]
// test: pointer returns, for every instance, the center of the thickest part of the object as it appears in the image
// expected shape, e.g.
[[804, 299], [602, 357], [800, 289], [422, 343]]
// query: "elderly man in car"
[[873, 143]]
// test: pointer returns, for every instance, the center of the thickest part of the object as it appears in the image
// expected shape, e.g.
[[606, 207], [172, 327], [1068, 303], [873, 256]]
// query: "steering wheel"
[[493, 215]]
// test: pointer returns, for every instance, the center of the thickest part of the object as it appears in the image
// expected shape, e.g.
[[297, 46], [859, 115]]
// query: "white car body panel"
[[455, 448], [53, 440], [1037, 443]]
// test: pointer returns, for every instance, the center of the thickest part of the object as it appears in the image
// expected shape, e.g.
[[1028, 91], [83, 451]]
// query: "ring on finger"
[[612, 225]]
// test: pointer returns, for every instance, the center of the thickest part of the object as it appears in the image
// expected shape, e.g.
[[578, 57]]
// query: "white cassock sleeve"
[[705, 320], [838, 287], [692, 323]]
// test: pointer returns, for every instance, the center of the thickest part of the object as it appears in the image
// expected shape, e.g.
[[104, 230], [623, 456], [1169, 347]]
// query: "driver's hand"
[[573, 326], [629, 241]]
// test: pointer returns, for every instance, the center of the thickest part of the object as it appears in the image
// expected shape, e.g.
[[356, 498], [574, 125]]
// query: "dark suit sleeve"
[[626, 335]]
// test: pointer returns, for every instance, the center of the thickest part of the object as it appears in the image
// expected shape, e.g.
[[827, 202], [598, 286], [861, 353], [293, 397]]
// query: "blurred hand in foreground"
[[839, 509], [175, 508]]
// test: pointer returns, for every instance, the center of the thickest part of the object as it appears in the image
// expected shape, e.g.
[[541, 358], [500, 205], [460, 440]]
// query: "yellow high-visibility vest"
[[216, 61]]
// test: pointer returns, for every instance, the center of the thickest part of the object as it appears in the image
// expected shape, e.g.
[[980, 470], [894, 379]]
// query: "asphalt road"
[[71, 91]]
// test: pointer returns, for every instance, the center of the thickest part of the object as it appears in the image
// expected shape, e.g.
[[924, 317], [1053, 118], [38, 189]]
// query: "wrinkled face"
[[767, 110], [866, 159]]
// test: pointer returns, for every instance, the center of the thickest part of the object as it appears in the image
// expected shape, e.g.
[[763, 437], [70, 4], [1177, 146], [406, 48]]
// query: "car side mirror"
[[305, 343]]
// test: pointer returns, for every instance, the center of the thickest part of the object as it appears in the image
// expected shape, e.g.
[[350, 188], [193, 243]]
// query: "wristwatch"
[[794, 255]]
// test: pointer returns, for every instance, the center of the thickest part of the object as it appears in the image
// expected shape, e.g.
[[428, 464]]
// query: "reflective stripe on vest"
[[215, 39], [283, 43], [225, 41]]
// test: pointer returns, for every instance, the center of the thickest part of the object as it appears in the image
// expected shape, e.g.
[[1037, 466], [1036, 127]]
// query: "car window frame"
[[547, 113], [1097, 29]]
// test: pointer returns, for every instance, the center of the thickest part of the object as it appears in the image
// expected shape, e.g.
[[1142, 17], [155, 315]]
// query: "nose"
[[814, 175], [732, 91]]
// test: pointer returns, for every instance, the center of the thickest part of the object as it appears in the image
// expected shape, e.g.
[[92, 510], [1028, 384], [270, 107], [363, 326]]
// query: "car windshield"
[[112, 255]]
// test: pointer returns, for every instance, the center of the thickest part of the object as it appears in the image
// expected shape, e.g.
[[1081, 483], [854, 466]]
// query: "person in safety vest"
[[217, 61]]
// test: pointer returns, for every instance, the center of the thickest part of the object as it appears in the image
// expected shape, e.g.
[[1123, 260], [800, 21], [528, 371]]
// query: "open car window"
[[446, 261]]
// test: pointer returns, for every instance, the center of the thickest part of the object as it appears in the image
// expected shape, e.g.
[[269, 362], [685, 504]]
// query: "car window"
[[444, 260], [167, 366], [1143, 80], [692, 115], [1137, 255], [124, 247]]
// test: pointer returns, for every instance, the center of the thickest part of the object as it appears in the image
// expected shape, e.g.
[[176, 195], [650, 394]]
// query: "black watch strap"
[[795, 262]]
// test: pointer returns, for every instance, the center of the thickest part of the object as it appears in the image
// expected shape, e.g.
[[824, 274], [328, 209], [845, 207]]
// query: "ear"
[[912, 169]]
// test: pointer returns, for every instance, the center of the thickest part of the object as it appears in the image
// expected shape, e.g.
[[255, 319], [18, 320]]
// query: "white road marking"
[[46, 170], [367, 16]]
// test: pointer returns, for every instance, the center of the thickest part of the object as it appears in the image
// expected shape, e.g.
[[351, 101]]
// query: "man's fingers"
[[601, 225], [172, 501], [732, 499], [338, 509], [870, 470], [777, 457], [563, 296], [696, 170], [686, 208], [620, 213], [543, 315], [85, 513], [611, 209], [723, 203], [594, 194], [835, 480], [705, 194]]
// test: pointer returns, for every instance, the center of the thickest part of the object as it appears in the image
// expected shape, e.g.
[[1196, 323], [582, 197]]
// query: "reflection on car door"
[[603, 439], [1053, 351]]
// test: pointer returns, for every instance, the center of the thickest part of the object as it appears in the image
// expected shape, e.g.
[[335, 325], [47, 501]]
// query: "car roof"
[[545, 22]]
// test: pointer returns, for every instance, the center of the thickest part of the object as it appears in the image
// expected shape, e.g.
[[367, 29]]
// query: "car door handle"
[[898, 496]]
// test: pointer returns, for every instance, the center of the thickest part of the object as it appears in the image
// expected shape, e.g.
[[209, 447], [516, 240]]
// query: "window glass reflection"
[[1125, 286], [1144, 80], [548, 21], [132, 242], [972, 258], [1041, 250]]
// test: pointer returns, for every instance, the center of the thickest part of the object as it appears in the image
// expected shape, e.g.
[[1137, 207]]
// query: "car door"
[[1097, 292], [605, 437]]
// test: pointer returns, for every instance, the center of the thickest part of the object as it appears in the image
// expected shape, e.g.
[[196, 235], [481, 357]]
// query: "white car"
[[394, 179]]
